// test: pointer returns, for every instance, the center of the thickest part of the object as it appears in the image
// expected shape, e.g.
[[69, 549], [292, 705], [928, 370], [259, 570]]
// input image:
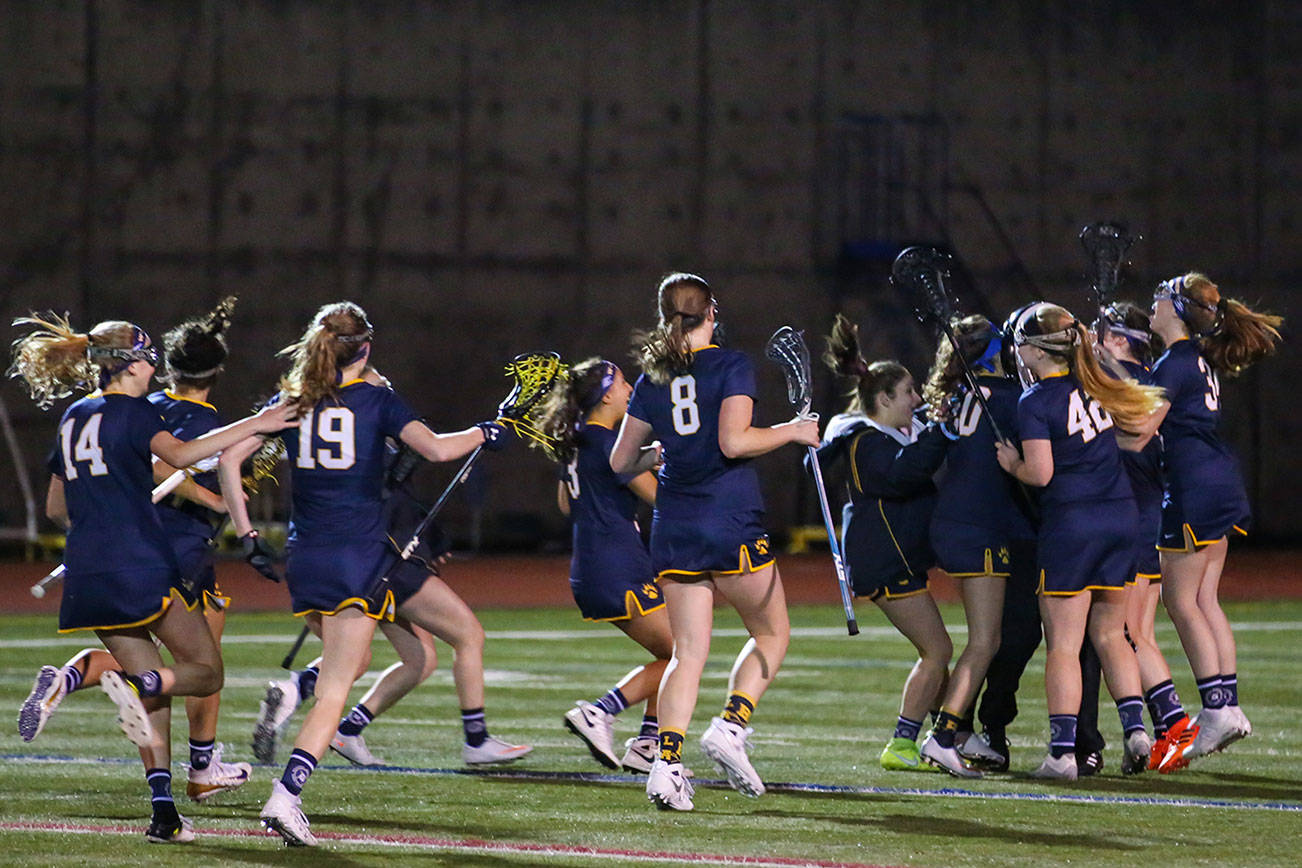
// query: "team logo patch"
[[299, 776], [762, 545], [1003, 555], [651, 591]]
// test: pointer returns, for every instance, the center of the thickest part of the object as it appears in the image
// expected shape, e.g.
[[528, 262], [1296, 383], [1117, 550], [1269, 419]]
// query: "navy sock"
[[613, 702], [473, 725], [72, 677], [1211, 692], [160, 793], [299, 768], [905, 728], [1164, 706], [1131, 711], [201, 753], [650, 725], [671, 745], [146, 683], [356, 720], [1062, 734], [307, 682], [945, 729], [1231, 683]]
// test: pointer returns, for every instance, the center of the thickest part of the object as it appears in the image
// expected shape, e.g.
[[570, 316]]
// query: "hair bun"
[[220, 318]]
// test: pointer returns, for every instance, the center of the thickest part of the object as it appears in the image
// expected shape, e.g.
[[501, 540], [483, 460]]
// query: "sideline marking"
[[465, 845], [783, 787]]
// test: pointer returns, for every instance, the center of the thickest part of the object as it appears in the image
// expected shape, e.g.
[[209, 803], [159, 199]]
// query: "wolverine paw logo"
[[762, 546], [650, 591], [1003, 555]]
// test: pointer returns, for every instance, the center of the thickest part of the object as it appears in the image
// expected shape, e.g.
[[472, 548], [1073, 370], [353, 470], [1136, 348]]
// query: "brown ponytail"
[[974, 334], [845, 359], [54, 361], [562, 412], [1238, 336], [195, 350], [684, 302], [334, 339]]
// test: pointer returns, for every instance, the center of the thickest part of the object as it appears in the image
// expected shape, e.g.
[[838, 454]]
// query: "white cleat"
[[668, 787], [283, 815], [1138, 753], [132, 716], [1217, 727], [277, 707], [493, 750], [729, 745], [1244, 725], [219, 777], [1062, 768], [640, 754], [47, 692], [978, 752], [353, 748], [945, 758], [596, 729]]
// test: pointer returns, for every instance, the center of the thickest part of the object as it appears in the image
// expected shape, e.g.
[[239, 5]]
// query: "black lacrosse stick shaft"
[[288, 662]]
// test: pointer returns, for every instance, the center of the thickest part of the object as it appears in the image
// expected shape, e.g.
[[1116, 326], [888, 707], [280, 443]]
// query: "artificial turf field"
[[76, 795]]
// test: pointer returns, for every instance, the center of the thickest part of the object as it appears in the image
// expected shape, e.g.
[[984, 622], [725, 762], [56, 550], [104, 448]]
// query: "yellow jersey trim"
[[1042, 592], [599, 425], [989, 570], [1056, 374], [1197, 543], [706, 347], [884, 593], [881, 509], [166, 604], [352, 382], [854, 465], [631, 602], [386, 613], [175, 397], [744, 565]]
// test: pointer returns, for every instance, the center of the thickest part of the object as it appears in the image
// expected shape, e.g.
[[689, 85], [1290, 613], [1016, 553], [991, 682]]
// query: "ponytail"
[[684, 302], [1230, 335], [844, 358], [577, 391], [195, 350], [334, 340], [54, 361]]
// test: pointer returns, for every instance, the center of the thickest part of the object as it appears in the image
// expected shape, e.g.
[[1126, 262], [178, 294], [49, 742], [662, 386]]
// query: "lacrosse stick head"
[[921, 271], [535, 374], [787, 348], [1106, 245]]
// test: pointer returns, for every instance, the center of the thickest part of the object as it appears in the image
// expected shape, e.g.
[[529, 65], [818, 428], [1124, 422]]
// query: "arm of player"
[[189, 489], [739, 439], [1135, 441], [627, 455], [440, 447], [1036, 468], [183, 453], [228, 473], [56, 504], [563, 498], [644, 486]]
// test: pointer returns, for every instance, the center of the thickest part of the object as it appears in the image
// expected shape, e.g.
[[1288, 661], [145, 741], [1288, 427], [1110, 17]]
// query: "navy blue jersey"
[[103, 458], [696, 479], [1194, 391], [337, 457], [1086, 461], [601, 502], [187, 419], [1144, 467], [974, 489]]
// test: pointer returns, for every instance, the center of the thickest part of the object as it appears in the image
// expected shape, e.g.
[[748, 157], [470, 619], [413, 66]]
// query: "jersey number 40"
[[1086, 418]]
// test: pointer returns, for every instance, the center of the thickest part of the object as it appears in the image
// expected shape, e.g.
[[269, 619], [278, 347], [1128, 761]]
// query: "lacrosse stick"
[[535, 374], [922, 270], [163, 489], [1106, 245], [787, 348]]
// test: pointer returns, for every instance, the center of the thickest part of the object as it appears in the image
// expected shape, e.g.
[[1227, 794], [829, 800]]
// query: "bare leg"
[[202, 710], [1107, 622], [346, 637], [1210, 605], [134, 649], [1141, 602], [761, 602], [417, 660], [691, 617], [983, 604], [1182, 578], [1064, 631], [438, 609], [651, 631], [919, 621]]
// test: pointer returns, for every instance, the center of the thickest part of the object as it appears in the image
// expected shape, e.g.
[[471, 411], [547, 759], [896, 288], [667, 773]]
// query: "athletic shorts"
[[965, 550], [194, 556], [1205, 495], [107, 601], [726, 545], [408, 577], [903, 584], [330, 578], [1087, 546], [1147, 561]]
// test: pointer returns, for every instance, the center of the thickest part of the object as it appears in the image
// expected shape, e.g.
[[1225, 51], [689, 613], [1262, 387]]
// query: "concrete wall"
[[490, 177]]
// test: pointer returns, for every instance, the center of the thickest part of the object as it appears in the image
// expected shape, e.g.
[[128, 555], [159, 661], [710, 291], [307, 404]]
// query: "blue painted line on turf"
[[793, 787]]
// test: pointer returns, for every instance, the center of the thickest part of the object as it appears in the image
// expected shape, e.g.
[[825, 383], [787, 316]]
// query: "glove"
[[259, 554], [494, 435]]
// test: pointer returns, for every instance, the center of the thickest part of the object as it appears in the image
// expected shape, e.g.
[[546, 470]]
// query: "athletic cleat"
[[178, 831], [353, 748], [493, 750], [1217, 727], [728, 745], [1243, 725], [1057, 768], [945, 758], [668, 787], [274, 712], [1168, 753], [1138, 752], [283, 815], [980, 752], [47, 693], [1090, 764], [595, 728], [132, 716], [219, 777], [901, 755], [640, 753]]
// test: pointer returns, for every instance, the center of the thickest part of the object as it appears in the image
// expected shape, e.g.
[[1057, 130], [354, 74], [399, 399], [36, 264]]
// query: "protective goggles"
[[1173, 290]]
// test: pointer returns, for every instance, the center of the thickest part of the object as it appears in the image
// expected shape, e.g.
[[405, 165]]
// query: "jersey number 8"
[[1086, 423], [687, 416], [335, 426]]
